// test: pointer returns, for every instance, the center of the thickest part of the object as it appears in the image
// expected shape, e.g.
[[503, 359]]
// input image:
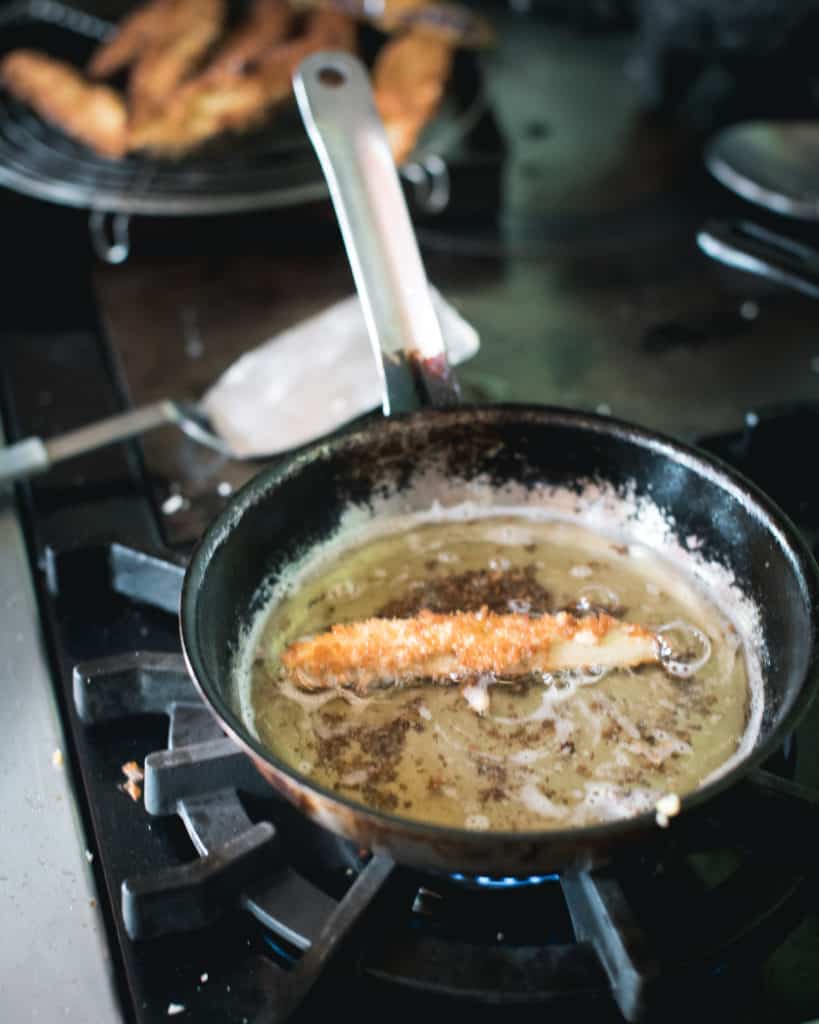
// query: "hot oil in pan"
[[554, 752]]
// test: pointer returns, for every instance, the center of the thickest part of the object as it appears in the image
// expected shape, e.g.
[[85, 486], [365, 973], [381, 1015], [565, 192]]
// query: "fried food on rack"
[[210, 104], [192, 29], [266, 24], [461, 647], [134, 35], [94, 114], [186, 86], [409, 78]]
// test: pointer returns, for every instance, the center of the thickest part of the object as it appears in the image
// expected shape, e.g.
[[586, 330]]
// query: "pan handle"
[[336, 104]]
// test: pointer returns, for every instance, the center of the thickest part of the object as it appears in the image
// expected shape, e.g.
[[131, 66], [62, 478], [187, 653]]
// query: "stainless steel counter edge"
[[54, 959]]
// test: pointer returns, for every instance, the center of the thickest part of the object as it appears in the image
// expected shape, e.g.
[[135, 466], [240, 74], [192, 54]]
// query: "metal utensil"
[[305, 383], [757, 250], [335, 101], [33, 455], [772, 164]]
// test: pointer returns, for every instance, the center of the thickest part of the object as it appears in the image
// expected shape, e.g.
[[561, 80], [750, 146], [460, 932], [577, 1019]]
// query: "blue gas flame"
[[505, 881]]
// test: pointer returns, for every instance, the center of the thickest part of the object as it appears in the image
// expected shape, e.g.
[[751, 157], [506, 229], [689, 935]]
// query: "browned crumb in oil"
[[494, 771], [493, 794], [380, 799], [376, 751], [470, 591]]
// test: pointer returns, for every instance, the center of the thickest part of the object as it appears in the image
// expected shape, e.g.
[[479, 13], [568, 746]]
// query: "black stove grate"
[[600, 936]]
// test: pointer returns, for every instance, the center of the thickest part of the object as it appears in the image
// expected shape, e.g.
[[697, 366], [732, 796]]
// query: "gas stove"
[[208, 899]]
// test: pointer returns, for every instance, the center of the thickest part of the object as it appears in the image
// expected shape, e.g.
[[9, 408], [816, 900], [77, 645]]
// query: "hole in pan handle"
[[336, 104]]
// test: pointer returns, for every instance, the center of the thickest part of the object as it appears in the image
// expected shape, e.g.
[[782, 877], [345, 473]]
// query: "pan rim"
[[711, 467]]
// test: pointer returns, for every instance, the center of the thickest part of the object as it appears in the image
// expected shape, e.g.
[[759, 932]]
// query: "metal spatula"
[[299, 386]]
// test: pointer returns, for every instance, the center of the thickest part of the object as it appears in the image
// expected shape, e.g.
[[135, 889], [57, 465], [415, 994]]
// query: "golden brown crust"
[[409, 78], [464, 645], [94, 114], [135, 33], [173, 57], [209, 105], [174, 103], [267, 23]]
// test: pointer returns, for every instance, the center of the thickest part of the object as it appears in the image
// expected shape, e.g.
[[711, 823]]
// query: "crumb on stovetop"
[[134, 775]]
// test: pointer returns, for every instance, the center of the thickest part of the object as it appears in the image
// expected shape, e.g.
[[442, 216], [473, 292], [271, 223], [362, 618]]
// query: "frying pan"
[[695, 511]]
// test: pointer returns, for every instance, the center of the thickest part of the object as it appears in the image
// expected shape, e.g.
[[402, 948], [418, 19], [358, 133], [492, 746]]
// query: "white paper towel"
[[311, 379]]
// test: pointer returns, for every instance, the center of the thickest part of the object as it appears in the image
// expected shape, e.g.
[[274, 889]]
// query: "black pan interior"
[[282, 513]]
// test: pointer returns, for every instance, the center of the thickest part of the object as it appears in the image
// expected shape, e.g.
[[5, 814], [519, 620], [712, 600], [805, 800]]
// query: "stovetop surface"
[[587, 290]]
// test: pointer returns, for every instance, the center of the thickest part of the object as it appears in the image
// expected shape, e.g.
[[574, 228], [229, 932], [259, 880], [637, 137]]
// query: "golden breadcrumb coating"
[[266, 24], [461, 646], [132, 37], [211, 104], [94, 114], [409, 78], [174, 57]]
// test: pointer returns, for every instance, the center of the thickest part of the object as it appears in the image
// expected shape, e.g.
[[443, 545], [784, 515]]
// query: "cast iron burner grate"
[[639, 934]]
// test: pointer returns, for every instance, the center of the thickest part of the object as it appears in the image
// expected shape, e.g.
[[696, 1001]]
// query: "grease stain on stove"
[[708, 328]]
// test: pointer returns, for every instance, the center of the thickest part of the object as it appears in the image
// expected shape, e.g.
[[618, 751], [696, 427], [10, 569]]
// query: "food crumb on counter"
[[57, 758]]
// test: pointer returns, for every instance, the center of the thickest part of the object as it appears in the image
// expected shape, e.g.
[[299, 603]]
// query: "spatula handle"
[[337, 107], [34, 455]]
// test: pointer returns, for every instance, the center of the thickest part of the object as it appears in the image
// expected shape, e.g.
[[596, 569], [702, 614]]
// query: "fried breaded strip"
[[94, 114], [409, 78], [208, 104], [135, 33], [462, 646], [194, 27], [266, 24]]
